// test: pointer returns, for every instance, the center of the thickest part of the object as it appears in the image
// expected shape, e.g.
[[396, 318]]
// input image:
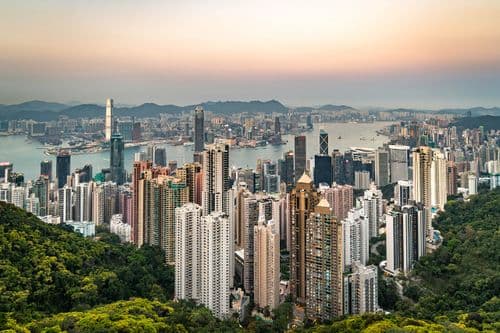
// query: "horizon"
[[70, 104], [364, 54]]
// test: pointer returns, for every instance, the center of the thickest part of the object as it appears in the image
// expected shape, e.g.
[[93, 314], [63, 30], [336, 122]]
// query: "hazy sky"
[[381, 53]]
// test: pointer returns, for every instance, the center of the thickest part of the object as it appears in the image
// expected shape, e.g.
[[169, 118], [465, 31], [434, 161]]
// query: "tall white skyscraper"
[[65, 197], [109, 120], [439, 181], [188, 251], [356, 237], [216, 255], [83, 202], [215, 179], [373, 209]]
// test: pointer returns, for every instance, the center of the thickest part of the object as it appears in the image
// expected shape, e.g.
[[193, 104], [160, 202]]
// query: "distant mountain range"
[[46, 111]]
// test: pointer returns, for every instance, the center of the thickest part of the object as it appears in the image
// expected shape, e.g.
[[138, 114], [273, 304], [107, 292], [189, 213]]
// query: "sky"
[[386, 53]]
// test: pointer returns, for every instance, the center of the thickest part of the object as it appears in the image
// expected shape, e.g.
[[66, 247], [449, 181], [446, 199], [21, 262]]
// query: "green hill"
[[45, 269], [463, 275]]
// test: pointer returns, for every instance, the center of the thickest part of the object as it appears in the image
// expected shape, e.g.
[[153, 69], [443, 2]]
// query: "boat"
[[339, 137]]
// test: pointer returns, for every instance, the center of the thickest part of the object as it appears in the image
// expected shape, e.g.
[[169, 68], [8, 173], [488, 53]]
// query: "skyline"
[[423, 55]]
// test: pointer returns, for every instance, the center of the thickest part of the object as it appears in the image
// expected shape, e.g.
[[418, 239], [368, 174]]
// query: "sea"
[[26, 155]]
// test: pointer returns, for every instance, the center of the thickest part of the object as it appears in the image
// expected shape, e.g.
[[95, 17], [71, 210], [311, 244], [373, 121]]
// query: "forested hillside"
[[45, 269]]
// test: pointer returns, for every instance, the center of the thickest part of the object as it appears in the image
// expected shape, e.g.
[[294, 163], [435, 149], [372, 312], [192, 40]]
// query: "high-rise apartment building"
[[340, 198], [266, 264], [65, 200], [439, 181], [303, 200], [300, 155], [191, 175], [324, 264], [83, 202], [373, 209], [356, 238], [108, 124], [406, 238], [215, 178], [199, 129], [422, 181], [137, 229], [188, 252], [403, 193], [216, 258], [63, 167], [361, 290]]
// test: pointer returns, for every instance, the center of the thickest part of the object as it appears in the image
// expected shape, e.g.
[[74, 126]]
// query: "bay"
[[27, 155]]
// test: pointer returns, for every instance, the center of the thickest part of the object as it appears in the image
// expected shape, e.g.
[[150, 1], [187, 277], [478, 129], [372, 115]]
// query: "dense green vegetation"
[[136, 315], [379, 323], [463, 275], [46, 269]]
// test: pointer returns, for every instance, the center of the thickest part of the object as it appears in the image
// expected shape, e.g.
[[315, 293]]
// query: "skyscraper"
[[160, 156], [422, 163], [303, 199], [300, 155], [109, 120], [324, 264], [381, 167], [215, 178], [403, 192], [65, 201], [439, 181], [41, 191], [83, 202], [356, 238], [216, 258], [188, 252], [63, 167], [199, 129], [406, 238], [362, 290], [286, 170], [137, 229], [399, 162], [46, 169], [266, 264], [373, 209], [340, 198], [277, 126], [323, 142], [116, 159], [323, 169]]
